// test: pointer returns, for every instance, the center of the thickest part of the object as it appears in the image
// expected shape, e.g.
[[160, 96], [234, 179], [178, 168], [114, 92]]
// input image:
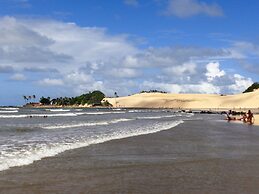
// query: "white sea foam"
[[102, 113], [65, 126], [78, 109], [39, 115], [148, 111], [8, 111], [157, 117], [9, 108], [132, 111], [58, 110], [25, 157]]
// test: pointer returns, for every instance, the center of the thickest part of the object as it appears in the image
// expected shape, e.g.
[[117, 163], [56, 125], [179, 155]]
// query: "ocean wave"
[[78, 109], [8, 111], [25, 157], [9, 108], [65, 126], [38, 115], [118, 109], [133, 111], [149, 111], [102, 113], [58, 110], [156, 117]]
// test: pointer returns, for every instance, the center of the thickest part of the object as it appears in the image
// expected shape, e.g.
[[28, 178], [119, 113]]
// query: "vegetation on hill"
[[92, 98], [153, 91], [252, 87]]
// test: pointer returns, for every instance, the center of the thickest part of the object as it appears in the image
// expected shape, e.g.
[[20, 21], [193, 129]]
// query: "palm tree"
[[116, 96], [25, 98]]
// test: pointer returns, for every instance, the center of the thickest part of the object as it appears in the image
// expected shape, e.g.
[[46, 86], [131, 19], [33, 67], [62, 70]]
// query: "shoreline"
[[195, 110], [198, 156]]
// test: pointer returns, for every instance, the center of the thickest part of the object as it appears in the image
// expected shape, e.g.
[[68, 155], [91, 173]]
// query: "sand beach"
[[152, 146], [202, 155]]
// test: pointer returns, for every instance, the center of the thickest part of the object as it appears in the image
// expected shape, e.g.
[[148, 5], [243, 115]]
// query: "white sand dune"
[[188, 101]]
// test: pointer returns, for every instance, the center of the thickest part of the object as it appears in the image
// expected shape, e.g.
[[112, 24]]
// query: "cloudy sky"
[[65, 48]]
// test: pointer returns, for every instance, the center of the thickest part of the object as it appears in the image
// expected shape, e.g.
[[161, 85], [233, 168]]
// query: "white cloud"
[[51, 82], [213, 71], [243, 50], [241, 83], [78, 78], [36, 43], [131, 61], [185, 69], [202, 87], [188, 8], [171, 56], [82, 59], [18, 77], [124, 73]]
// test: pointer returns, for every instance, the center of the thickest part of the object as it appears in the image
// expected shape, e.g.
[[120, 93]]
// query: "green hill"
[[92, 98], [252, 87]]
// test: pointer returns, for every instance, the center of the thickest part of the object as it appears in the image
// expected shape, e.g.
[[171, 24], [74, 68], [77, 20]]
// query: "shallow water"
[[27, 135]]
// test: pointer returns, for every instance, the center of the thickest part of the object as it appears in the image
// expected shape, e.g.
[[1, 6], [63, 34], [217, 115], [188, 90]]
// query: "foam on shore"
[[65, 126], [31, 154]]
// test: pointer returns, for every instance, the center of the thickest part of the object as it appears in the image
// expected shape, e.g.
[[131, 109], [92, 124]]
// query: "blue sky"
[[65, 48]]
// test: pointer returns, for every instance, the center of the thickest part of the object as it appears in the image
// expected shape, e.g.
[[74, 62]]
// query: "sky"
[[70, 47]]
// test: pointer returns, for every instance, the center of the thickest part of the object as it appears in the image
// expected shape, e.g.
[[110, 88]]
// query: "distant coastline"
[[156, 100], [188, 101]]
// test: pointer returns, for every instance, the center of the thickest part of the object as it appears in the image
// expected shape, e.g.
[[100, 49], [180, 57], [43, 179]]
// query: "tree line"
[[92, 98]]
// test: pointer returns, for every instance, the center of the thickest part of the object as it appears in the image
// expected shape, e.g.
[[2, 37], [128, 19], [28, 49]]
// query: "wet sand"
[[194, 157]]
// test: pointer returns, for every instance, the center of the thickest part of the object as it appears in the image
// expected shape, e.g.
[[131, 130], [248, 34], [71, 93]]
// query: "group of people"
[[246, 117]]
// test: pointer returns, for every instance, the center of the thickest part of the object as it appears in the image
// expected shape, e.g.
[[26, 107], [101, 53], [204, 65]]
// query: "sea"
[[28, 135]]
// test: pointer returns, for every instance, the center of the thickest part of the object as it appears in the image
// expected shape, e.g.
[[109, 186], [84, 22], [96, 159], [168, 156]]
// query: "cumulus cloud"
[[213, 71], [211, 80], [241, 83], [188, 68], [171, 56], [124, 73], [202, 87], [36, 43], [79, 59], [51, 82], [188, 8]]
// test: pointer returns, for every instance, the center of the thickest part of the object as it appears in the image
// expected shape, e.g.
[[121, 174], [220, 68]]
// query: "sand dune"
[[191, 101], [188, 101]]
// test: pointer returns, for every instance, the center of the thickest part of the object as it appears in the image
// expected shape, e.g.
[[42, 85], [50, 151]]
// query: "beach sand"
[[200, 156], [256, 119], [189, 101]]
